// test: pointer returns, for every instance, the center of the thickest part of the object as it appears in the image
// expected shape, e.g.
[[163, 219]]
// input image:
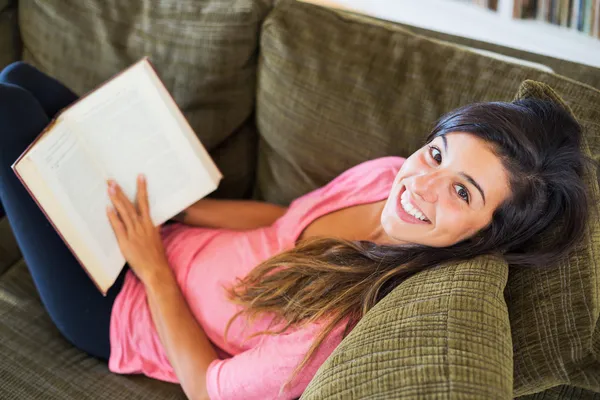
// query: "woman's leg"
[[75, 305], [50, 93]]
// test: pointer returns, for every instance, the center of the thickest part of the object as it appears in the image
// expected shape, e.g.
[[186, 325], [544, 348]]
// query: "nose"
[[428, 185]]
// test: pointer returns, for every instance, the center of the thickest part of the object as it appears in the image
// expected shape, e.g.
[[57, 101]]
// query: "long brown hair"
[[330, 279]]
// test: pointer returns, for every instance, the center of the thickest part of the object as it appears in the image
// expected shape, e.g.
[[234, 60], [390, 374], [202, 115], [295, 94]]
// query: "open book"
[[129, 125]]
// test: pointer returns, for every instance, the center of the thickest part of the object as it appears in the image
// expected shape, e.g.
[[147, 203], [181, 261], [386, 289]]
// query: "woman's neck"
[[376, 233]]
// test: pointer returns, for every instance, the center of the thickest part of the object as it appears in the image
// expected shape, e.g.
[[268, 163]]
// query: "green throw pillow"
[[563, 346], [336, 89]]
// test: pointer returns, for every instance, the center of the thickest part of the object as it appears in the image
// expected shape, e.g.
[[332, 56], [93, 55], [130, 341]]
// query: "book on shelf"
[[127, 126], [580, 15]]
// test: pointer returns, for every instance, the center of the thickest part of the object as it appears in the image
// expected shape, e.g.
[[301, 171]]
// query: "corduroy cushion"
[[204, 51], [564, 344], [443, 333], [336, 89], [38, 363], [9, 42]]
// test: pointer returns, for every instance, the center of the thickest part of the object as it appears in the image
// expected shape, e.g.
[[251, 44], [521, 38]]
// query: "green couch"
[[286, 96]]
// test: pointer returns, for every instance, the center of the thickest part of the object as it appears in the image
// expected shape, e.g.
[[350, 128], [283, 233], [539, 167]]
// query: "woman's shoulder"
[[370, 169], [365, 179], [393, 162], [368, 177]]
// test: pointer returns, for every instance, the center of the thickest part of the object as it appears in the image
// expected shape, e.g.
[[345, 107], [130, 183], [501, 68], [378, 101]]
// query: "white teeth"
[[410, 209]]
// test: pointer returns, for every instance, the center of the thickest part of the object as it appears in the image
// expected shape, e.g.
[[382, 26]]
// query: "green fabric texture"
[[563, 393], [38, 363], [204, 51], [419, 341], [562, 299], [580, 72], [336, 89], [537, 90], [9, 39]]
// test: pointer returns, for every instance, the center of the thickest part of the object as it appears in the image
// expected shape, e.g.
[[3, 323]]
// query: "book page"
[[78, 187], [129, 128]]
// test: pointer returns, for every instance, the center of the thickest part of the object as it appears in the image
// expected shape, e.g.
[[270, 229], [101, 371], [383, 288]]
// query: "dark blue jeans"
[[28, 101]]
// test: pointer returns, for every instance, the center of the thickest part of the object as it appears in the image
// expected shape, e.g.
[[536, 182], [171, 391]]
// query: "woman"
[[491, 179]]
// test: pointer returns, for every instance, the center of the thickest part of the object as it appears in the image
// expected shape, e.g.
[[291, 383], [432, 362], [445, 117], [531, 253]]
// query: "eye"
[[436, 154], [462, 193]]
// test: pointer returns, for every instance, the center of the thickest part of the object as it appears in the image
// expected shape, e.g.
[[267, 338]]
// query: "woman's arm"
[[187, 347], [231, 214]]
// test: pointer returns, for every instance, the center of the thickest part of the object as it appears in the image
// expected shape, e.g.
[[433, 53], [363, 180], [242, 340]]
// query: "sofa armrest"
[[10, 40], [443, 333]]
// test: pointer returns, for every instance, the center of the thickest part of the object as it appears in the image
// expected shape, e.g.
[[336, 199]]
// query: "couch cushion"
[[373, 89], [204, 51], [580, 72], [37, 363], [569, 331], [443, 333], [9, 39], [563, 392]]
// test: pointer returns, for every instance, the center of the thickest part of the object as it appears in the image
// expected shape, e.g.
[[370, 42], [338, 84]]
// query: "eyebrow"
[[466, 176], [472, 182]]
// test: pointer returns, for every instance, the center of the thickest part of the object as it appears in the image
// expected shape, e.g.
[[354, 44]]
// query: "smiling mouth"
[[409, 212]]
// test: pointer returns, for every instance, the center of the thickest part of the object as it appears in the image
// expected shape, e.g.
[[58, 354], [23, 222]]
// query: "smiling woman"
[[492, 178]]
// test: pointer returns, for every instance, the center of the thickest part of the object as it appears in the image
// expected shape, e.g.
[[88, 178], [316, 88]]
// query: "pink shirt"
[[205, 259]]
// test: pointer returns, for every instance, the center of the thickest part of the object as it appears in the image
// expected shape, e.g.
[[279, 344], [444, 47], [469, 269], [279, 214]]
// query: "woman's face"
[[445, 192]]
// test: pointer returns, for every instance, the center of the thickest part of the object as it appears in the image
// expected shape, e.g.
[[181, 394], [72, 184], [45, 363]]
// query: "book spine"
[[517, 9], [581, 15], [541, 10], [587, 17], [575, 14], [559, 8], [596, 19], [564, 12], [569, 13], [529, 9]]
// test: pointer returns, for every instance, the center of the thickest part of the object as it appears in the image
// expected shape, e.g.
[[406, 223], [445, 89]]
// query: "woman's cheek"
[[450, 218]]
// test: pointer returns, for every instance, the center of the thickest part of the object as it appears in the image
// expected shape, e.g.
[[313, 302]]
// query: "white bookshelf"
[[458, 18]]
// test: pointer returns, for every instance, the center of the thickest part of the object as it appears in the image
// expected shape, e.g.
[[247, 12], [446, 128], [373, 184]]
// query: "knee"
[[16, 100], [89, 336], [19, 110], [18, 71]]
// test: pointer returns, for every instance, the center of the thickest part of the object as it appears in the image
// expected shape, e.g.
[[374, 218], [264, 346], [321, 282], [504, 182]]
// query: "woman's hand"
[[139, 240]]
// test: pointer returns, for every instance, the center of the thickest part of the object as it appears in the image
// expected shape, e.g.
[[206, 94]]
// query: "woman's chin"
[[402, 232]]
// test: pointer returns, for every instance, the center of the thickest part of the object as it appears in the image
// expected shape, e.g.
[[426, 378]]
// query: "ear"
[[530, 89]]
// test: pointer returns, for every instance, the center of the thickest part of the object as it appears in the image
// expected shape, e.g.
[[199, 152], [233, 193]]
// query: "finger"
[[123, 205], [116, 223], [142, 197]]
